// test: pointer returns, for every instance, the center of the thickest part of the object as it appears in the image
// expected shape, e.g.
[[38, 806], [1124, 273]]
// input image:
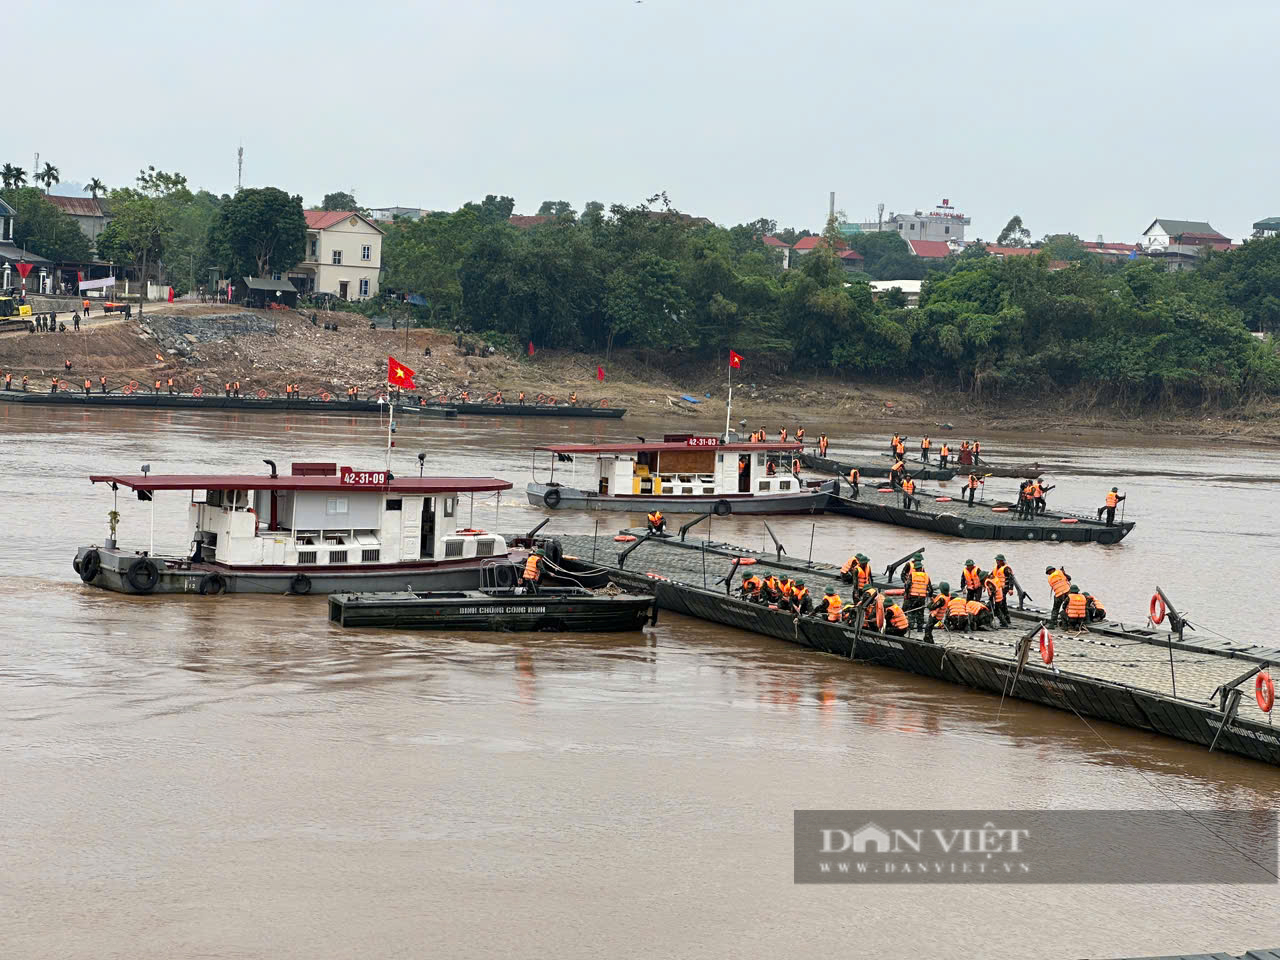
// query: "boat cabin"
[[690, 466], [322, 514]]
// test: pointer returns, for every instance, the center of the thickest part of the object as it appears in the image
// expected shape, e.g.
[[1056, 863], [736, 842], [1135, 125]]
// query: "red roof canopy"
[[233, 481], [930, 249], [666, 447]]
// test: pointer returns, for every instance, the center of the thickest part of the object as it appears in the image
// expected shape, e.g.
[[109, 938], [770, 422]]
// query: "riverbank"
[[207, 345]]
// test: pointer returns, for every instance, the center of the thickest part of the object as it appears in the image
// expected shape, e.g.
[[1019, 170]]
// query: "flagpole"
[[391, 419], [728, 410]]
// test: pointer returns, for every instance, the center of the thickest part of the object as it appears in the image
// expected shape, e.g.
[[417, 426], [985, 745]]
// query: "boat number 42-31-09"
[[362, 478]]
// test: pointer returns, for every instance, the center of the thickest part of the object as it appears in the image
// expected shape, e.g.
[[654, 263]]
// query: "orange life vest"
[[800, 434], [975, 608], [970, 575], [799, 594], [938, 606], [926, 443], [854, 476], [531, 567], [957, 607], [87, 383], [945, 451], [896, 617], [995, 588], [919, 584], [998, 574], [834, 603], [1059, 582], [864, 574], [655, 518], [973, 481], [908, 485], [753, 583], [849, 564], [1112, 499], [1076, 604]]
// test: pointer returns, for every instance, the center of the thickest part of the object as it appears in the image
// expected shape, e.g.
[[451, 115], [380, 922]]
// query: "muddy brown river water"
[[233, 777]]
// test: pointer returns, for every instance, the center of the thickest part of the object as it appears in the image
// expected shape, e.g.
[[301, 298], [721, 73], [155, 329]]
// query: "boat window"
[[784, 484], [760, 457], [764, 485], [720, 458], [336, 505], [213, 498], [449, 503], [393, 504]]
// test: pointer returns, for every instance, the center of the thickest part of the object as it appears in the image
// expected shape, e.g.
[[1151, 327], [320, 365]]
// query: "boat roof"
[[667, 447], [327, 484]]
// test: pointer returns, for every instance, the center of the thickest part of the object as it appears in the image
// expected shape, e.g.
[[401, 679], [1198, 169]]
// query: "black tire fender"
[[143, 575], [722, 508], [505, 575], [551, 497], [212, 584], [89, 565], [300, 584]]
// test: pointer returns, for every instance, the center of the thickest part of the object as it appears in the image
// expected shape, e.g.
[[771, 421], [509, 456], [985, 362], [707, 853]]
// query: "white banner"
[[97, 284]]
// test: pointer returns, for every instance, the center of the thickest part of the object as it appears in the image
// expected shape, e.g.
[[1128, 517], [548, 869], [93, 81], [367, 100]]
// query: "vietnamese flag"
[[735, 360], [600, 374], [398, 375]]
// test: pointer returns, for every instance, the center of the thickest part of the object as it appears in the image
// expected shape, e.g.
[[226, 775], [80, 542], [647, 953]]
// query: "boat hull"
[[179, 401], [569, 498], [870, 468], [175, 575], [535, 410], [569, 611]]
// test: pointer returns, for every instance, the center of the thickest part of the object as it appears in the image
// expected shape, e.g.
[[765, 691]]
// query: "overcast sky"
[[1092, 118]]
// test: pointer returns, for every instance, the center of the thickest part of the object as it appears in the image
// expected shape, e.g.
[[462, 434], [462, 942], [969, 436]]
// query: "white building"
[[343, 255], [944, 222]]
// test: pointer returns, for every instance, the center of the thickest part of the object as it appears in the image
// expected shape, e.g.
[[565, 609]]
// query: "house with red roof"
[[809, 244], [342, 256], [90, 214], [852, 261], [527, 221], [930, 249], [772, 241], [1112, 251]]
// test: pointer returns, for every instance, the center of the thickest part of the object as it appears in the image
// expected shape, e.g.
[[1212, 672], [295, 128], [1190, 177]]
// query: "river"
[[234, 777]]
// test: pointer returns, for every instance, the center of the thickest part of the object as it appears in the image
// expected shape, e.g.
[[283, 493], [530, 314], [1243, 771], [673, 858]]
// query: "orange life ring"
[[893, 592], [63, 385], [1068, 520], [942, 500], [879, 614], [624, 538], [1046, 645], [773, 606], [604, 403], [885, 490], [134, 384], [656, 576], [1264, 691], [326, 397], [197, 391], [128, 389], [999, 509], [745, 561], [1156, 608], [470, 532], [262, 394]]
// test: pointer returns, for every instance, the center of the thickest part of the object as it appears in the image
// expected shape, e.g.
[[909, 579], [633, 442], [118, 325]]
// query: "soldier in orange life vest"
[[235, 389], [799, 434], [893, 444], [1060, 584], [771, 468], [1096, 610], [908, 493], [573, 398], [53, 385], [979, 615], [972, 485], [900, 451], [896, 623], [938, 607], [823, 442], [855, 476], [88, 384], [521, 398], [971, 576], [782, 435], [829, 606], [67, 364], [1026, 499], [958, 613], [925, 446], [897, 472], [1075, 611], [8, 381], [919, 589], [997, 589], [25, 381], [751, 587], [657, 522], [943, 454], [497, 397], [1113, 500], [226, 390], [532, 571], [977, 449], [171, 385], [862, 573]]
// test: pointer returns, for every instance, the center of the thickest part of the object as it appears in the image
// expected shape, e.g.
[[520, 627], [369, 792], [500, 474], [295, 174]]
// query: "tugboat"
[[682, 474], [322, 528]]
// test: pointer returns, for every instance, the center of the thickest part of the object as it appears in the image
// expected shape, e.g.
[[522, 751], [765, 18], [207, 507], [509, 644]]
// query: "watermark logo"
[[1022, 846]]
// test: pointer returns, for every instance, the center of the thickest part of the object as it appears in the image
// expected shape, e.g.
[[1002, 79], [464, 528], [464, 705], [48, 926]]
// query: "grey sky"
[[1089, 117]]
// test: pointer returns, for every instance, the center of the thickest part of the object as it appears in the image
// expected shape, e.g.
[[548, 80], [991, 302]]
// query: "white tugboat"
[[685, 474], [320, 529]]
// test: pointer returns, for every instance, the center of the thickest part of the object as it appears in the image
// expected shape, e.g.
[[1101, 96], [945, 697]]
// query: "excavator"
[[14, 317]]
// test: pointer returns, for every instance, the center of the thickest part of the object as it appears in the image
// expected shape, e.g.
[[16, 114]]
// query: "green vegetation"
[[43, 229], [646, 278], [258, 232]]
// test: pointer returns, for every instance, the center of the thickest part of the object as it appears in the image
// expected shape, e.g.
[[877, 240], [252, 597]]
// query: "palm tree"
[[6, 174], [49, 176], [96, 186], [18, 177]]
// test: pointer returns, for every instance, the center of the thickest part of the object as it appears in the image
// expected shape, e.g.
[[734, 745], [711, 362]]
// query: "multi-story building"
[[90, 214], [1180, 243], [343, 255], [944, 222]]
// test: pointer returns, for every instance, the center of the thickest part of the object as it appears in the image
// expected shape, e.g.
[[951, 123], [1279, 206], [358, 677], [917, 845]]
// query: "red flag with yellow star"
[[398, 375]]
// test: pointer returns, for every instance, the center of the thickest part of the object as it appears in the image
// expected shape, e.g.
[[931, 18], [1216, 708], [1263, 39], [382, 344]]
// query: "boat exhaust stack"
[[272, 465]]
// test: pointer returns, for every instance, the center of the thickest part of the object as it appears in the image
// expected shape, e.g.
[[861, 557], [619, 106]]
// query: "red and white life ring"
[[885, 490], [999, 509], [1264, 691], [1157, 608], [942, 499], [656, 576], [624, 538], [894, 592], [745, 561], [470, 532], [879, 614], [197, 391], [1068, 520], [1046, 645]]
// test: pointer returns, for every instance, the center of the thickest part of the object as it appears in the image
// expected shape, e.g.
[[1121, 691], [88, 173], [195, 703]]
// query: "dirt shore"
[[329, 361]]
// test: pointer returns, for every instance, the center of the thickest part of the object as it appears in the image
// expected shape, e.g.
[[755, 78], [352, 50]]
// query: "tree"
[[1064, 246], [157, 183], [49, 176], [556, 208], [137, 232], [592, 210], [1014, 234], [258, 232], [95, 187], [6, 175], [339, 200], [17, 177], [43, 228]]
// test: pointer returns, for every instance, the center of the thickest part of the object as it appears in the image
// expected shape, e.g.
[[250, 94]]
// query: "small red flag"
[[735, 360], [600, 374], [24, 268], [398, 375], [531, 348]]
